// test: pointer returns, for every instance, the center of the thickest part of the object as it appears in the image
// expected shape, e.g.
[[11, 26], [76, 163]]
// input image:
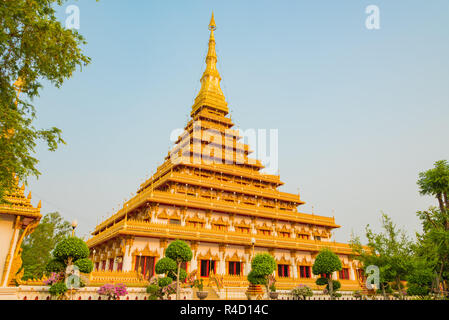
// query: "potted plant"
[[301, 292], [201, 294], [261, 267]]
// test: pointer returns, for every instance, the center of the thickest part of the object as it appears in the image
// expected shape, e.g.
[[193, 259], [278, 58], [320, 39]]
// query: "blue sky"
[[359, 112]]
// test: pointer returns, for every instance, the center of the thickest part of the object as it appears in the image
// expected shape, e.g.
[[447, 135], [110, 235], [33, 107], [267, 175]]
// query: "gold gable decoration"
[[146, 252], [235, 258], [282, 260], [208, 256]]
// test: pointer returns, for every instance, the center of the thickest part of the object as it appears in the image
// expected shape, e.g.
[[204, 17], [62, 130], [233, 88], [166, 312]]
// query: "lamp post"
[[74, 225]]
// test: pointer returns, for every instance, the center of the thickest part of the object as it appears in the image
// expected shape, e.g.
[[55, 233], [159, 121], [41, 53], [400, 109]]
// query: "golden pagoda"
[[209, 193]]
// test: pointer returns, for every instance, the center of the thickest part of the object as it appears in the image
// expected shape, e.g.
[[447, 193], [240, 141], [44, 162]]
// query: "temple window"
[[303, 236], [265, 232], [284, 234], [103, 265], [195, 224], [304, 272], [145, 265], [234, 268], [97, 266], [207, 266], [220, 227], [283, 270], [344, 274], [242, 229], [318, 238]]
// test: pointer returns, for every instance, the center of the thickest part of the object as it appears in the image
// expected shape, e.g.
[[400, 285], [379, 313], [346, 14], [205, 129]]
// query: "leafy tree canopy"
[[72, 248], [326, 262], [263, 265], [165, 266], [34, 47], [38, 245], [179, 251]]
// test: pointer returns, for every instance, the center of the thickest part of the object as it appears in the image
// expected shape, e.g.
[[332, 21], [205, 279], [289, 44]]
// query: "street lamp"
[[74, 225]]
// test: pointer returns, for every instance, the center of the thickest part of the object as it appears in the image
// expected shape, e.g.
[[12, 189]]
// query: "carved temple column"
[[127, 258]]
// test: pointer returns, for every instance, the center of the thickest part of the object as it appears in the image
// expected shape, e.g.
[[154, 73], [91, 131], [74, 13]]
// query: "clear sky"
[[359, 112]]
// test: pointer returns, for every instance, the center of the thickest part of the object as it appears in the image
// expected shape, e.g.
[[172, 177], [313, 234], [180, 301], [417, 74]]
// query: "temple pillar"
[[222, 263], [127, 257]]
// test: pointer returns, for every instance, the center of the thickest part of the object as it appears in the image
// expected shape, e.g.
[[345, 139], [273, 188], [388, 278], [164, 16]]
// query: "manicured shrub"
[[263, 264], [179, 251], [54, 266], [256, 279], [85, 265], [71, 248], [163, 282], [58, 289], [165, 266]]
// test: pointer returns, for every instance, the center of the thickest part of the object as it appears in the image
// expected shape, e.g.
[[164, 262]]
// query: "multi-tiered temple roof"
[[210, 193]]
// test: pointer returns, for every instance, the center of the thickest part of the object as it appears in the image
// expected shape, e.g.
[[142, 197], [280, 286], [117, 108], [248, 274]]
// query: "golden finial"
[[212, 25]]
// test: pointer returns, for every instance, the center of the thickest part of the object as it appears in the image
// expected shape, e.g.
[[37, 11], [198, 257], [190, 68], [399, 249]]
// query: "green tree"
[[391, 251], [433, 245], [262, 266], [34, 47], [180, 252], [38, 245], [420, 279], [435, 182], [326, 263]]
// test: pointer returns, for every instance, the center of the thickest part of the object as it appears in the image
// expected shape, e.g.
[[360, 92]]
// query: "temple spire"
[[210, 93]]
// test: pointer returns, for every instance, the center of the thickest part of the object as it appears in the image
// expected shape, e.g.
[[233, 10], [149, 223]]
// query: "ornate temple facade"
[[18, 219], [209, 193]]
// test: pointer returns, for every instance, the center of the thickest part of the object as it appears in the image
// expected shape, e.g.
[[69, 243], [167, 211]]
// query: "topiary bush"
[[58, 289], [165, 266], [263, 264], [261, 267], [326, 263], [54, 266], [84, 265], [71, 248], [163, 282], [256, 279], [179, 251]]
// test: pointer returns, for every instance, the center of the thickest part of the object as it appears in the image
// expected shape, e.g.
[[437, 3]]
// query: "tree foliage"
[[262, 266], [38, 245], [165, 266], [71, 249], [179, 251], [390, 250], [34, 47], [326, 262], [435, 182]]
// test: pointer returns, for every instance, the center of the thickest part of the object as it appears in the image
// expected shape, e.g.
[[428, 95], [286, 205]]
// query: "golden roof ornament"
[[210, 93]]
